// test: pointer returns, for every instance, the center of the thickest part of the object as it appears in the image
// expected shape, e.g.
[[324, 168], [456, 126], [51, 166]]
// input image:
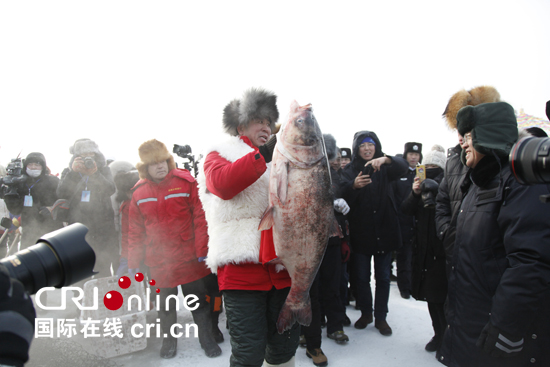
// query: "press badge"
[[85, 196], [28, 200]]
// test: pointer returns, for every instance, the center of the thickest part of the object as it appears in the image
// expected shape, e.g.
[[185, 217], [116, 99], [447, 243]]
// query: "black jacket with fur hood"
[[374, 225]]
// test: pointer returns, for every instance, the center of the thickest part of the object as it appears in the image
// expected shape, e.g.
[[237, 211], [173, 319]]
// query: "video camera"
[[58, 259], [184, 151], [13, 179]]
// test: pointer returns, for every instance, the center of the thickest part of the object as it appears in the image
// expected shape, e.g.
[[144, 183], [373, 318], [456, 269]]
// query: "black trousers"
[[403, 260], [252, 319], [437, 313]]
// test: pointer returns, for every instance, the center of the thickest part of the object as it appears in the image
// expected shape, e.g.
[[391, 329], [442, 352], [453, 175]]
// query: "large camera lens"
[[89, 162], [58, 259], [530, 160]]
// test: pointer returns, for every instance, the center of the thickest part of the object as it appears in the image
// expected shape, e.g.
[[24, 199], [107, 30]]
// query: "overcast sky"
[[123, 72]]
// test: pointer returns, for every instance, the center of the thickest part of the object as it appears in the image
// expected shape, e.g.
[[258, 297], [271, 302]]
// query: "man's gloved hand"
[[122, 267], [346, 252], [133, 272], [45, 212], [267, 149], [202, 259], [16, 319], [341, 206], [497, 344], [6, 222]]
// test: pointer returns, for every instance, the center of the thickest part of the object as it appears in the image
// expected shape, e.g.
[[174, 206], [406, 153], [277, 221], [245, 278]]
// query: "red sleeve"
[[136, 236], [226, 179], [199, 223]]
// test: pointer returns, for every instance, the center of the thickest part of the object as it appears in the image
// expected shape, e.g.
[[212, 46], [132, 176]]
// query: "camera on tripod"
[[13, 179], [183, 151]]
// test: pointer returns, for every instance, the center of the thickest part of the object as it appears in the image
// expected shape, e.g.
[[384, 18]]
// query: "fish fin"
[[289, 316], [267, 219], [282, 182], [335, 229]]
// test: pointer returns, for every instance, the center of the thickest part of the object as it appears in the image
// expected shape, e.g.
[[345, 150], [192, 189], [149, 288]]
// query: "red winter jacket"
[[226, 179], [168, 230]]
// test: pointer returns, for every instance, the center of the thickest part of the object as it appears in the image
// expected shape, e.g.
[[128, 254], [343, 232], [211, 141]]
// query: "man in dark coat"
[[402, 188], [87, 185], [33, 198], [498, 286], [373, 222]]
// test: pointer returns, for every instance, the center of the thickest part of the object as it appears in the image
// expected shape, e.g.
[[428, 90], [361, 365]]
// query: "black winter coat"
[[429, 279], [500, 270], [36, 220], [449, 199], [374, 226], [98, 213], [402, 189]]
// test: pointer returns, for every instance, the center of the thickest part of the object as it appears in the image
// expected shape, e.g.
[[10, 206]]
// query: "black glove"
[[45, 212], [6, 222], [497, 343], [267, 149], [429, 189], [17, 319]]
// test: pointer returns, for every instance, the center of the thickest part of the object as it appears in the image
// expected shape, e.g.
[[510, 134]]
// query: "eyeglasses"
[[468, 138]]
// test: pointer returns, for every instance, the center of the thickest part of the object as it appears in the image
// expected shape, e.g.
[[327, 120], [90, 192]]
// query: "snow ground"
[[409, 320]]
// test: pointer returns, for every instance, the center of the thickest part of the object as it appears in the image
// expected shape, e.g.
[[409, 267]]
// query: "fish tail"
[[288, 316]]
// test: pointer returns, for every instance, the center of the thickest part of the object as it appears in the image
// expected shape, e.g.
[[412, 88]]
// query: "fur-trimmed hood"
[[256, 103], [150, 152], [473, 97]]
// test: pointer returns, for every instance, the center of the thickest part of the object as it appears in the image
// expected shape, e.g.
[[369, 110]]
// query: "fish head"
[[301, 135]]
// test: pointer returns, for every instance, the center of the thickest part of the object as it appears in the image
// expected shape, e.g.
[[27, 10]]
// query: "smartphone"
[[368, 170], [421, 172]]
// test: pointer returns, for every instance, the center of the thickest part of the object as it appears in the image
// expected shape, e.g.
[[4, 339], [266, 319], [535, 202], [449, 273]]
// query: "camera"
[[368, 170], [13, 178], [182, 150], [530, 160], [89, 162], [58, 259]]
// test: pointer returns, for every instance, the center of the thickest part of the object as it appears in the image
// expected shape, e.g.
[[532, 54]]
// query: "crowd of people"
[[467, 238]]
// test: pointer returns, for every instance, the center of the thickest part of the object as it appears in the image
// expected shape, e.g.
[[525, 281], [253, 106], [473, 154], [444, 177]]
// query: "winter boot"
[[216, 332], [383, 327], [363, 321], [204, 322], [317, 356], [169, 343], [434, 344], [339, 337]]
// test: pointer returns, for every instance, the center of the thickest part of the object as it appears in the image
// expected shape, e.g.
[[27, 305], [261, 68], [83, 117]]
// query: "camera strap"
[[85, 198]]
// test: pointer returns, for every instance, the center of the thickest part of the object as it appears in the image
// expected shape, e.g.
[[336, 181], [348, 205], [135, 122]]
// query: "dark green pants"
[[252, 318]]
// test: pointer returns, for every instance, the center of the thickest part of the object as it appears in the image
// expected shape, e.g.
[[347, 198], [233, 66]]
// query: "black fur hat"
[[256, 103], [413, 147], [346, 152]]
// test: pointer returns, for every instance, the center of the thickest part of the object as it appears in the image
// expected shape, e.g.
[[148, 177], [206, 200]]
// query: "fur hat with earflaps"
[[151, 152], [413, 147], [473, 97], [330, 145], [256, 103]]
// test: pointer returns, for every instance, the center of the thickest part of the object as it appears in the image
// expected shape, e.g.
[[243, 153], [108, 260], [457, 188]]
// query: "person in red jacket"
[[168, 232], [233, 186]]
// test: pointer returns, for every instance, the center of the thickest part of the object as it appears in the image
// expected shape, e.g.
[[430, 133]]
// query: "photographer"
[[429, 280], [16, 321], [87, 186], [32, 197], [498, 285]]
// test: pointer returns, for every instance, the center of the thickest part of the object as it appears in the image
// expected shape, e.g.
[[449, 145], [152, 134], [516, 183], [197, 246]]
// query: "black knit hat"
[[413, 147]]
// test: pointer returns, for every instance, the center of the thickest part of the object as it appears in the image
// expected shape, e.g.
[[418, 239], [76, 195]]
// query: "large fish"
[[300, 209]]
